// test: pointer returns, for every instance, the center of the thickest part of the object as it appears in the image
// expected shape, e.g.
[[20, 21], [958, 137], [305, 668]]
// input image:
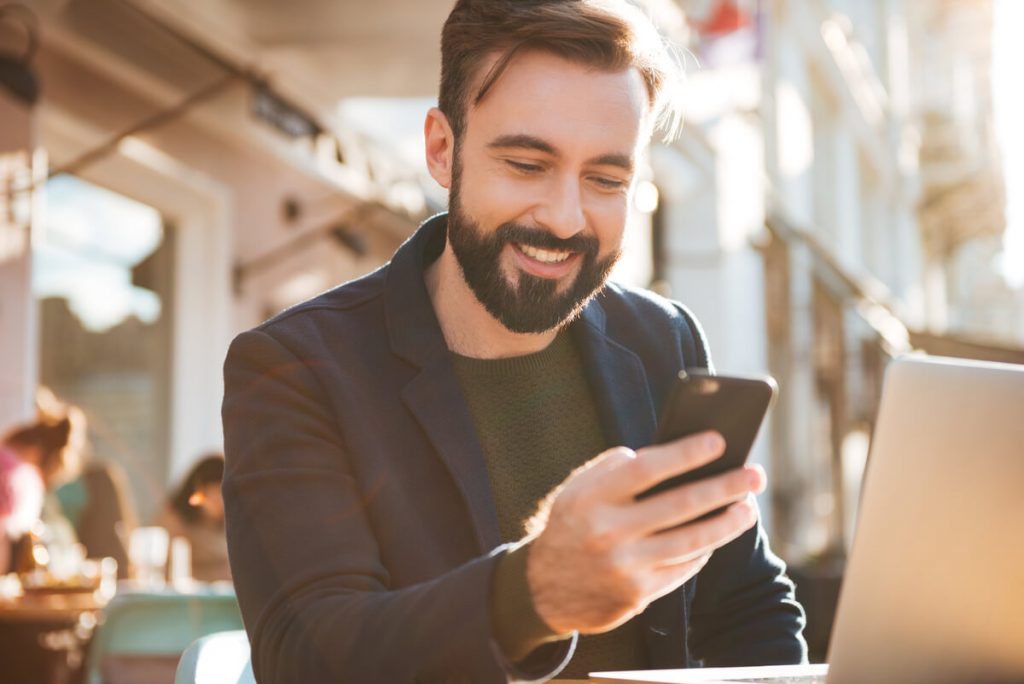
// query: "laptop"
[[934, 586]]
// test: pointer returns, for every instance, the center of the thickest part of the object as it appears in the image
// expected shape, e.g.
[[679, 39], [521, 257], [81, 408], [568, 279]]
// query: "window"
[[102, 277]]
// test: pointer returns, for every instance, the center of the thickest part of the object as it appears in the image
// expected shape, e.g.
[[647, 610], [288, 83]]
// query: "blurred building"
[[961, 209], [844, 258]]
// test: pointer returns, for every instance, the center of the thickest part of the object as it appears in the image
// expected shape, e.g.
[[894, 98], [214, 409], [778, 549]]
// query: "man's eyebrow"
[[529, 142], [623, 161], [523, 140]]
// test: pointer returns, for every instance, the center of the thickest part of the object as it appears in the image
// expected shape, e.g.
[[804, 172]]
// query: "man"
[[432, 471]]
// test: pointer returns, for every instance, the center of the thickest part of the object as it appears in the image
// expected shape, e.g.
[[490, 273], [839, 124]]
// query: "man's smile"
[[544, 263], [548, 256]]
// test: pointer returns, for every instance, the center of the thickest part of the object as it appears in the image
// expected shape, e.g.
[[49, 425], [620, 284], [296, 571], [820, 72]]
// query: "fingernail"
[[757, 477], [714, 441]]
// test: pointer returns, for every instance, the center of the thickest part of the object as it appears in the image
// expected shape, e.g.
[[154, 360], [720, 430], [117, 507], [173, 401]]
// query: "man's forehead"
[[547, 97], [495, 66]]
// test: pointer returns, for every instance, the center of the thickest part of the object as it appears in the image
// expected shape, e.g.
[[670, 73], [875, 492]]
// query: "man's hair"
[[609, 35]]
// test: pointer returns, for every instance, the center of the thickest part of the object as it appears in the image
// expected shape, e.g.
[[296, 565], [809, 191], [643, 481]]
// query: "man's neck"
[[469, 329]]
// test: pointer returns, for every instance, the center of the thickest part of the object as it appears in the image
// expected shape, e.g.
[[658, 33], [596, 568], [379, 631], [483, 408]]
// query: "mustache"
[[541, 239]]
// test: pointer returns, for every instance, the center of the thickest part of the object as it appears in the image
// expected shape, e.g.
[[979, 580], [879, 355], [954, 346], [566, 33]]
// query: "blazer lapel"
[[435, 398], [433, 395], [617, 379]]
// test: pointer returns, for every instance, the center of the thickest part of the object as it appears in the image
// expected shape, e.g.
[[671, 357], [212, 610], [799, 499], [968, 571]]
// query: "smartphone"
[[734, 406]]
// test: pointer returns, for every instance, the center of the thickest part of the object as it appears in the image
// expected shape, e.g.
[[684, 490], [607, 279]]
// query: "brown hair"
[[207, 470], [609, 35], [57, 432]]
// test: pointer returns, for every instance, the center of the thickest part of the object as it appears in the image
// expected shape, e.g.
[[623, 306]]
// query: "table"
[[44, 636], [771, 674]]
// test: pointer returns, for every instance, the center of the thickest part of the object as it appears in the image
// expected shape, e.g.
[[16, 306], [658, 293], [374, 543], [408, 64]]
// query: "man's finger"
[[621, 478], [666, 579], [686, 543], [688, 502]]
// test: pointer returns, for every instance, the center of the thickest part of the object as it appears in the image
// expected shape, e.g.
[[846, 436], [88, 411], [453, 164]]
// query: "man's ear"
[[439, 146]]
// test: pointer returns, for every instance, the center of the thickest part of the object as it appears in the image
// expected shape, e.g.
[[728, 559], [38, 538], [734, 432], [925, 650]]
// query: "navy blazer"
[[361, 528]]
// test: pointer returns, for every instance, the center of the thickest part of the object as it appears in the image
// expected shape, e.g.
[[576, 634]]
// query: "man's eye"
[[609, 183], [524, 167]]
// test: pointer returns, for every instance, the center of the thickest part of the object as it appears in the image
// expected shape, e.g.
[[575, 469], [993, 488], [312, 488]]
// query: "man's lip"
[[543, 269]]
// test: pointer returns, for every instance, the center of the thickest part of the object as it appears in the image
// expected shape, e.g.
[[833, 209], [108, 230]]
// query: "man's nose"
[[561, 212]]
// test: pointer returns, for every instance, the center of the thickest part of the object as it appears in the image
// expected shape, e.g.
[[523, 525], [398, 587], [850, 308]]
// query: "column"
[[20, 167]]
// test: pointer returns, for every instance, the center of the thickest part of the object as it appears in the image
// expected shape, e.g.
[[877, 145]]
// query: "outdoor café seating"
[[138, 636], [142, 635]]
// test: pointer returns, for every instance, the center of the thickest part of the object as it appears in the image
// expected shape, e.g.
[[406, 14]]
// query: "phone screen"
[[733, 406]]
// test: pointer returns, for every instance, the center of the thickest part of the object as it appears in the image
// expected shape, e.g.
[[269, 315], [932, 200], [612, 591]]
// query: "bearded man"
[[432, 471]]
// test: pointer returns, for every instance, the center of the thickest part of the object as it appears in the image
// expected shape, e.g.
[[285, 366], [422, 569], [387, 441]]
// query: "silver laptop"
[[934, 588]]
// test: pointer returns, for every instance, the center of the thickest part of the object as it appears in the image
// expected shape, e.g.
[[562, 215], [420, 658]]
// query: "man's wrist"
[[518, 628]]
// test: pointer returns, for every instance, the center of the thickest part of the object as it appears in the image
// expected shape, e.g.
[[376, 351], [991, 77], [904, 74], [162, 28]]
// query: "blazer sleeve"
[[313, 592], [744, 609]]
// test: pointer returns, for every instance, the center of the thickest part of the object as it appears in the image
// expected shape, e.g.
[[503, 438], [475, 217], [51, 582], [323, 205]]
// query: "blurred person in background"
[[98, 503], [35, 458], [195, 511], [21, 501]]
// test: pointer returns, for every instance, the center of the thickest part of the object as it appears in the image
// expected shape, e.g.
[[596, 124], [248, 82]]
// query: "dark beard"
[[533, 305]]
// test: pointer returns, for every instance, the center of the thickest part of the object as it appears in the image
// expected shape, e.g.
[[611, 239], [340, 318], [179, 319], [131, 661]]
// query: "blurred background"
[[847, 187]]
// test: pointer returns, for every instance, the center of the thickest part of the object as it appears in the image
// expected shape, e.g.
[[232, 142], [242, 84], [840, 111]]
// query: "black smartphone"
[[734, 406]]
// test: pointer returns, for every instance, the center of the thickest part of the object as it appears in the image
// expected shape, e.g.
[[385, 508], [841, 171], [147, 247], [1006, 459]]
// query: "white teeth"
[[545, 255]]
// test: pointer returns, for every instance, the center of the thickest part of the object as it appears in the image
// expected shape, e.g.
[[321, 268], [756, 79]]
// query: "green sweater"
[[536, 420]]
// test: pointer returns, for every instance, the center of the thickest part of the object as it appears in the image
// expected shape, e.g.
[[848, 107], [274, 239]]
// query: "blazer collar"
[[413, 329], [617, 378]]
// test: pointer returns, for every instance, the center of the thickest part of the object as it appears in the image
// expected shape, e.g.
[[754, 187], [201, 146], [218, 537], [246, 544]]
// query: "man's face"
[[541, 182]]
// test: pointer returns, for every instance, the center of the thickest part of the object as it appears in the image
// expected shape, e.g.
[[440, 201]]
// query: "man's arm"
[[313, 591]]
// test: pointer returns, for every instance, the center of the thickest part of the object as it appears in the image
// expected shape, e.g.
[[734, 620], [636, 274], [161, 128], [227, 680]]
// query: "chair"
[[143, 635], [221, 658]]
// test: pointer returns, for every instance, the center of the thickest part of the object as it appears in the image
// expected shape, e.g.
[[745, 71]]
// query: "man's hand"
[[602, 556]]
